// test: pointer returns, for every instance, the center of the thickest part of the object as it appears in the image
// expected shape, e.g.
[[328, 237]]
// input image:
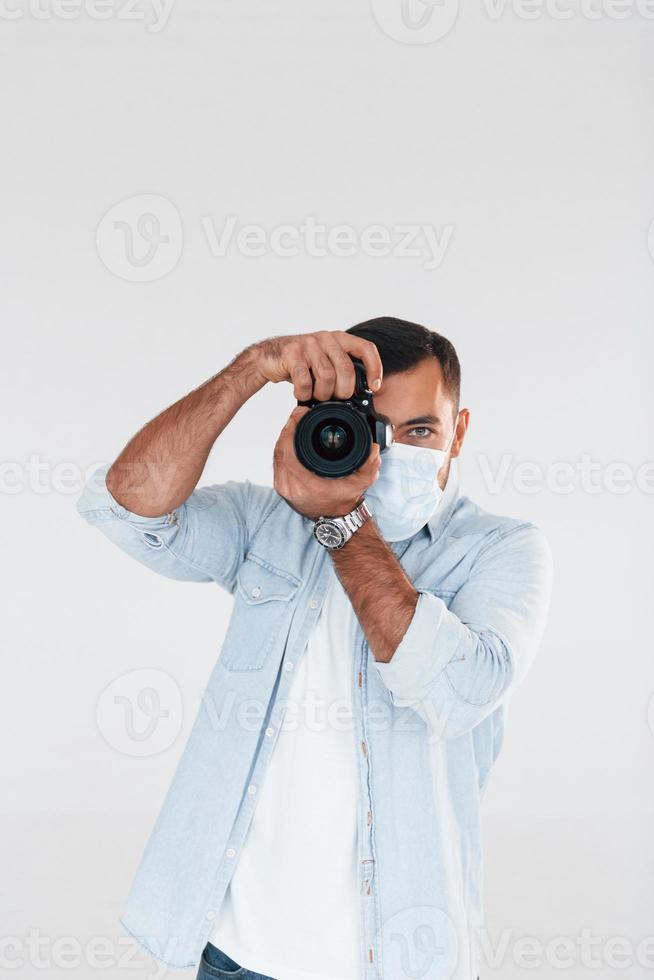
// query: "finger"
[[373, 458], [288, 431], [372, 465], [284, 449], [366, 475], [345, 376], [323, 369], [370, 469], [300, 376], [368, 353], [295, 416]]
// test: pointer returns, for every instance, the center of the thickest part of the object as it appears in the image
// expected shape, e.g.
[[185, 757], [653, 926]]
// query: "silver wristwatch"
[[334, 532]]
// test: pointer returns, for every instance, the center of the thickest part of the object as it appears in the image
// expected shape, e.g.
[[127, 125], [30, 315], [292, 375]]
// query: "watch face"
[[329, 534]]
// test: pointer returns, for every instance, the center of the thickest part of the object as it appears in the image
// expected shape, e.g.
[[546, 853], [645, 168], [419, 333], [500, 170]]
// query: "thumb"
[[296, 415]]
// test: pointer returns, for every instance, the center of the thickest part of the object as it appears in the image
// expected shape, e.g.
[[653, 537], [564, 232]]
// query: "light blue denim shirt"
[[428, 724]]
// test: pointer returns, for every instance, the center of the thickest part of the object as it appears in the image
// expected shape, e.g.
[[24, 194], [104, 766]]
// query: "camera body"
[[335, 438]]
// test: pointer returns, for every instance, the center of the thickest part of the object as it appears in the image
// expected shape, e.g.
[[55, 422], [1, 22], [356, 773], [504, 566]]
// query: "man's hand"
[[386, 610], [318, 496], [326, 353]]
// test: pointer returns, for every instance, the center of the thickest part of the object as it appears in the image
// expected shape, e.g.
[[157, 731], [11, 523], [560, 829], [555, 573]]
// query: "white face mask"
[[406, 493]]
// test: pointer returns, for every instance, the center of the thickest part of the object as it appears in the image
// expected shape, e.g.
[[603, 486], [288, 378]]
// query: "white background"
[[532, 141]]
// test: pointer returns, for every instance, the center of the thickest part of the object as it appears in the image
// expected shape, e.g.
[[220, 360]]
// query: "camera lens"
[[333, 439]]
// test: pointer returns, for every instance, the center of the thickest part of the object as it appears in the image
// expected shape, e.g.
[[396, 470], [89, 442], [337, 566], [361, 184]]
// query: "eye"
[[421, 432]]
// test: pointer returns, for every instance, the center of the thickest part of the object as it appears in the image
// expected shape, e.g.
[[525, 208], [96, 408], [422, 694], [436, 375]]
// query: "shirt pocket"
[[263, 604]]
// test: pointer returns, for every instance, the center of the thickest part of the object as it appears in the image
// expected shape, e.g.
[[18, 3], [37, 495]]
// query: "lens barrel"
[[333, 439]]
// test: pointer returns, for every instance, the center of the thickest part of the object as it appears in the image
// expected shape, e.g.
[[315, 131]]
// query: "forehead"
[[410, 394]]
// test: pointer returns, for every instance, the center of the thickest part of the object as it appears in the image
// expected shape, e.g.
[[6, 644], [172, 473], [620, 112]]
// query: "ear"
[[461, 428]]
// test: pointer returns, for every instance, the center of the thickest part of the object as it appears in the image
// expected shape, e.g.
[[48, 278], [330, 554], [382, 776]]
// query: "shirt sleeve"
[[203, 540], [455, 666]]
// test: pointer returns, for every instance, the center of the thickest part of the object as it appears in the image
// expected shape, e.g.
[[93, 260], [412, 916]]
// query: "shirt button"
[[211, 914], [252, 789], [230, 852], [256, 591], [270, 732], [313, 604], [289, 665]]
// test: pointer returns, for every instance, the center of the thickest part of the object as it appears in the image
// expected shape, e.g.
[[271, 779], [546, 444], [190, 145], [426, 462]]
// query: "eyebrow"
[[422, 420]]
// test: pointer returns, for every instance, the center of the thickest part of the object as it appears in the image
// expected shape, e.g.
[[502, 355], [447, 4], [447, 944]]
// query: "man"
[[340, 842]]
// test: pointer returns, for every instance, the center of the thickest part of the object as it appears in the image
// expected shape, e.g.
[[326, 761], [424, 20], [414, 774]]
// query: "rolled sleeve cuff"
[[97, 505], [429, 644]]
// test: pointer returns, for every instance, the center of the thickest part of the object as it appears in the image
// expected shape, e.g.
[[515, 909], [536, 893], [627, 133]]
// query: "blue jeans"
[[216, 965]]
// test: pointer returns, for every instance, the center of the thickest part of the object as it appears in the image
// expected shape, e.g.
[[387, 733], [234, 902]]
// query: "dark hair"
[[402, 345]]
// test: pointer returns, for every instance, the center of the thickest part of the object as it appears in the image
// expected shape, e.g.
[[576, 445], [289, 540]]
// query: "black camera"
[[335, 437]]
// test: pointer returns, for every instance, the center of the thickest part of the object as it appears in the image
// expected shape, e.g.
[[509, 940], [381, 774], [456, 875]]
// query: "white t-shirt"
[[292, 907]]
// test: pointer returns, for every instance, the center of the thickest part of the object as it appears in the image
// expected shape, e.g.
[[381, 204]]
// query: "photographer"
[[348, 849]]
